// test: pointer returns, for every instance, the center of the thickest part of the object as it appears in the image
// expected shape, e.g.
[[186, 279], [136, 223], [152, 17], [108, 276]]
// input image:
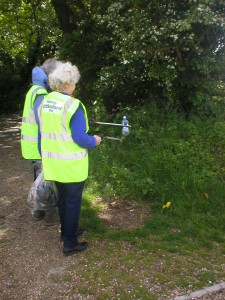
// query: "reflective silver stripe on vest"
[[61, 156], [68, 104], [35, 91], [39, 115], [29, 120], [56, 137], [29, 138]]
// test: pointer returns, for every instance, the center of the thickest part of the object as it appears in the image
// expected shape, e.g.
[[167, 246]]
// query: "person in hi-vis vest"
[[64, 150], [30, 133]]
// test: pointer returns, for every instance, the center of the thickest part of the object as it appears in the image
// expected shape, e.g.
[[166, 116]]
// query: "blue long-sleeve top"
[[78, 128], [37, 103]]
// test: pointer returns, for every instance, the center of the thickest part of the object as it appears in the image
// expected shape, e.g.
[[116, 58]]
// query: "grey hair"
[[49, 65], [64, 75]]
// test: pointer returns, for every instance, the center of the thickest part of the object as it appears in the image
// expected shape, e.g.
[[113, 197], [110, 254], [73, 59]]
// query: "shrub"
[[165, 158]]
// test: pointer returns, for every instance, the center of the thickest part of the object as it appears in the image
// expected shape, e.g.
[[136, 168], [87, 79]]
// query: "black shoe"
[[39, 215], [77, 248], [80, 232], [52, 218]]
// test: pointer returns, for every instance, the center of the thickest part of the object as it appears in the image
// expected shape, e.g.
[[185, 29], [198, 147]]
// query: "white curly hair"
[[64, 75]]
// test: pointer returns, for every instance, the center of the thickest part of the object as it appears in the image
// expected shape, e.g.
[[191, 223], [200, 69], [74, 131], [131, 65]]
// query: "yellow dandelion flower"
[[167, 205]]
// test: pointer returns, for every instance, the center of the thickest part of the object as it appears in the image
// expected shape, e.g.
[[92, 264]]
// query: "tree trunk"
[[65, 15]]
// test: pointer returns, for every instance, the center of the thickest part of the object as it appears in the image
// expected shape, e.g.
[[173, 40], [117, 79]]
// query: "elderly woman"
[[30, 137], [64, 143]]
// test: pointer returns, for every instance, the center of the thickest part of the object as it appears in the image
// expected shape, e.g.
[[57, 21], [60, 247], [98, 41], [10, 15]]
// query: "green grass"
[[148, 262]]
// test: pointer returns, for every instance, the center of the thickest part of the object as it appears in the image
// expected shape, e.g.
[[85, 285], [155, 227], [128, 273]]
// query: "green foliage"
[[168, 51], [87, 46], [166, 159], [28, 35], [128, 52]]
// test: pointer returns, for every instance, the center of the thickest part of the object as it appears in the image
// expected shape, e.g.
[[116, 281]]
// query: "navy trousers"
[[69, 205]]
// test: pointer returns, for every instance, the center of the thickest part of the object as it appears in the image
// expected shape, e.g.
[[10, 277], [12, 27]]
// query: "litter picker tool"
[[110, 124], [124, 124]]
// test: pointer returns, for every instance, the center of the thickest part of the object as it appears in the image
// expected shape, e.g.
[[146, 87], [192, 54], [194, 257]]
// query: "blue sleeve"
[[37, 103], [78, 128]]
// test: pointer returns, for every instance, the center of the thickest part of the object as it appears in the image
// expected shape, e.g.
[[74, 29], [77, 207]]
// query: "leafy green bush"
[[165, 159], [169, 51]]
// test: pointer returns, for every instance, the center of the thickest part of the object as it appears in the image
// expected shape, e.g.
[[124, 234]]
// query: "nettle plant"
[[169, 50]]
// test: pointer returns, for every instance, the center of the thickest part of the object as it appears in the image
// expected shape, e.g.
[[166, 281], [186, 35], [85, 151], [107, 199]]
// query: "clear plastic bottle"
[[125, 130]]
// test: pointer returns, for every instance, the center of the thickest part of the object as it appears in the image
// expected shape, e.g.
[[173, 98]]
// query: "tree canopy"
[[128, 52]]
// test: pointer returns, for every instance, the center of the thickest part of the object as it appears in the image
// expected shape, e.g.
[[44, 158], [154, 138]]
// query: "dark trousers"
[[69, 204], [37, 168]]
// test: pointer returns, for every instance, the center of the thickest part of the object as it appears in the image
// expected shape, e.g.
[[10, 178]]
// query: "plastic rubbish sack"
[[43, 194]]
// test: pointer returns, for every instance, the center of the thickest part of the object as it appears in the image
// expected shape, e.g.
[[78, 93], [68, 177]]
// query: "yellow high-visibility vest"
[[29, 128], [62, 159]]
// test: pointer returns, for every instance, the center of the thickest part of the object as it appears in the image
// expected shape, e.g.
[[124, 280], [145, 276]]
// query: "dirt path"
[[25, 261]]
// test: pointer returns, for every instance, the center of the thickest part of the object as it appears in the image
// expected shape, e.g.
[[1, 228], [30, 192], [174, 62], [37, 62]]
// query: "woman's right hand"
[[98, 139]]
